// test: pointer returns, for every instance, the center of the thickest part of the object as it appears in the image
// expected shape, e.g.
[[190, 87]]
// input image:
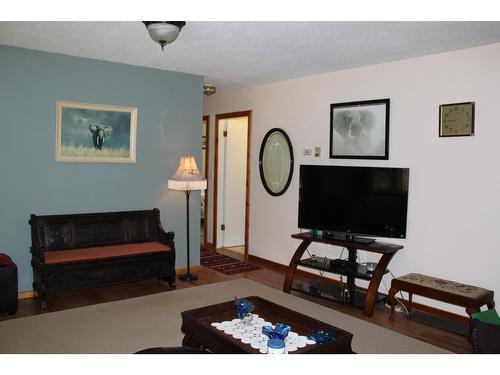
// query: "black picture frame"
[[360, 130]]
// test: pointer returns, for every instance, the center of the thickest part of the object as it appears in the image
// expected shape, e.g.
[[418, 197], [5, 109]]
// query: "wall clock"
[[456, 119], [276, 161]]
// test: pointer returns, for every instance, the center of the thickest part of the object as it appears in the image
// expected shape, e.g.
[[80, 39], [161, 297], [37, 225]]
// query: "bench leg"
[[171, 281], [491, 305], [410, 302], [392, 301], [40, 299], [472, 310], [40, 293]]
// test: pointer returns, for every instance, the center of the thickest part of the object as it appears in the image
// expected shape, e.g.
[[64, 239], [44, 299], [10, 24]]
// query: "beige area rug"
[[130, 325]]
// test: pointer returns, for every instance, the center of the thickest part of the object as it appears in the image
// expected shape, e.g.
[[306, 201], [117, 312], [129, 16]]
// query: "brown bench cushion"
[[102, 252], [452, 287]]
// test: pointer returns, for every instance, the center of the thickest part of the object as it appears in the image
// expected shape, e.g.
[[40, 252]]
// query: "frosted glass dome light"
[[164, 32]]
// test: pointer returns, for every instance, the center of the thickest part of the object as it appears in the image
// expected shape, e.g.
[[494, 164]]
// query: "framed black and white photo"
[[360, 130]]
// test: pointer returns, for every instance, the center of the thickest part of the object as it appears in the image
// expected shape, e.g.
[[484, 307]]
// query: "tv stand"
[[353, 271]]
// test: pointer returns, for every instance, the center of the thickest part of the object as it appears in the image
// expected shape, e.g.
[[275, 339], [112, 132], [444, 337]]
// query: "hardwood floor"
[[270, 275]]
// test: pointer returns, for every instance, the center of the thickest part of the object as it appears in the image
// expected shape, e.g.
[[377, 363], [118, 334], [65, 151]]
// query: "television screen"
[[355, 200]]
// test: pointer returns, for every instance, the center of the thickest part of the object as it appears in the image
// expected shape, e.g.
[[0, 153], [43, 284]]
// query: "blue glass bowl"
[[321, 336]]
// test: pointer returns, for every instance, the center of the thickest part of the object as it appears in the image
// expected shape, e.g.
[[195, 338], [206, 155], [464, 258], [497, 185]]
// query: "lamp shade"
[[188, 176]]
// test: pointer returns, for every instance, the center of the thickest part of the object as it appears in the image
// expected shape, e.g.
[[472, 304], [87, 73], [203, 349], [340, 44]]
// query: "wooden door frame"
[[207, 169], [221, 116]]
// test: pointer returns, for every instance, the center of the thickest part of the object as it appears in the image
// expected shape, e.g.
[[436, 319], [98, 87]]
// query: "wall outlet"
[[317, 152], [307, 151]]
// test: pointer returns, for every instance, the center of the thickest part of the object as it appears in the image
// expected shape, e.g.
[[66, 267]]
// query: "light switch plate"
[[317, 152], [307, 151]]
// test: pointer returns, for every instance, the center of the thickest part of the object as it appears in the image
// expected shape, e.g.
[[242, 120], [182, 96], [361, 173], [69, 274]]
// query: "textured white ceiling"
[[236, 54]]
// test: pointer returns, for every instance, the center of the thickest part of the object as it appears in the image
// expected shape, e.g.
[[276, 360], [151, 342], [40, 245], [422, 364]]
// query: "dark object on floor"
[[173, 350], [485, 337], [438, 322], [225, 264], [84, 250], [8, 285], [485, 332], [468, 296]]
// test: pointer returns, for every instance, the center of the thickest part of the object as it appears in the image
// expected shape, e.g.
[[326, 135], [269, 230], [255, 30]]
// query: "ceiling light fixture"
[[164, 32], [209, 90]]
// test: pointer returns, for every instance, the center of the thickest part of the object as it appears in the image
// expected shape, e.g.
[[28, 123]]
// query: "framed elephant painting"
[[360, 130], [95, 133]]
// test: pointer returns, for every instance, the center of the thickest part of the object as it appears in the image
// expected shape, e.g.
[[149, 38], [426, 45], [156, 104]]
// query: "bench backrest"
[[62, 232]]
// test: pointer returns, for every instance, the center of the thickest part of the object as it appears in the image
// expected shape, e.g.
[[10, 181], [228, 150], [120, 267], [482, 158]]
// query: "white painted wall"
[[454, 201], [232, 181]]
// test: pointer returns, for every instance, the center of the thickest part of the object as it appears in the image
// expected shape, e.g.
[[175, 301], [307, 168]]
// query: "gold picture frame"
[[95, 133], [456, 119]]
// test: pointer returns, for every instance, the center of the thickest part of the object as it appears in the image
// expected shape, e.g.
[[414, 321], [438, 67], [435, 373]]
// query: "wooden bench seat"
[[468, 296], [103, 252], [85, 250]]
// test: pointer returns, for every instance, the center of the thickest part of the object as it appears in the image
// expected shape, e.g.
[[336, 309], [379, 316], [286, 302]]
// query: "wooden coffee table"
[[198, 332]]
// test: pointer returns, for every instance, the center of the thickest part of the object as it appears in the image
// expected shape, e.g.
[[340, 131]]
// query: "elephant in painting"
[[355, 128], [99, 132]]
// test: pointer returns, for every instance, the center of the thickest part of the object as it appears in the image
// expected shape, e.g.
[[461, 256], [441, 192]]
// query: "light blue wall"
[[168, 125]]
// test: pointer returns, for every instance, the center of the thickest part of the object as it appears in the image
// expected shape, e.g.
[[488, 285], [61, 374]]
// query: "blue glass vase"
[[244, 309]]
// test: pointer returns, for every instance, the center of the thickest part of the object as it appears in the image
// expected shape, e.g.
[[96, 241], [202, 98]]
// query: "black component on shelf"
[[343, 264]]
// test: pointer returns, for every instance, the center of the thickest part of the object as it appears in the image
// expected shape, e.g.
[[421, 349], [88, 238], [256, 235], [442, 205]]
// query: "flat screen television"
[[354, 201]]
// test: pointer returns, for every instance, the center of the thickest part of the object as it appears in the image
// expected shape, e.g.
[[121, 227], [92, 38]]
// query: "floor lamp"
[[187, 178]]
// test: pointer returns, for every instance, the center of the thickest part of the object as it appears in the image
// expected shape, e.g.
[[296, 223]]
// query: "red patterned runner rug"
[[225, 264]]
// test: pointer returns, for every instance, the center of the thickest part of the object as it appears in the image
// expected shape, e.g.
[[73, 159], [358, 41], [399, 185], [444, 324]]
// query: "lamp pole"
[[188, 276]]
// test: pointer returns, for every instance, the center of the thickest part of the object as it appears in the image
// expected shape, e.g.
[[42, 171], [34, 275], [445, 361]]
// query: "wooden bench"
[[468, 296], [84, 250]]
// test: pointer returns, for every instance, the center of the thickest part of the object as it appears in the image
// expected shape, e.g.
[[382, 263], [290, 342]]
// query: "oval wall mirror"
[[276, 161]]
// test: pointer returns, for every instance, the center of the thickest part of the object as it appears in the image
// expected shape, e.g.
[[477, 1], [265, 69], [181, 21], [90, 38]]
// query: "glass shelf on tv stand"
[[332, 292], [325, 265]]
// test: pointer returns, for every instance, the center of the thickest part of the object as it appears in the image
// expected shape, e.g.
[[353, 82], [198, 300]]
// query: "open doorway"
[[232, 181], [205, 133]]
